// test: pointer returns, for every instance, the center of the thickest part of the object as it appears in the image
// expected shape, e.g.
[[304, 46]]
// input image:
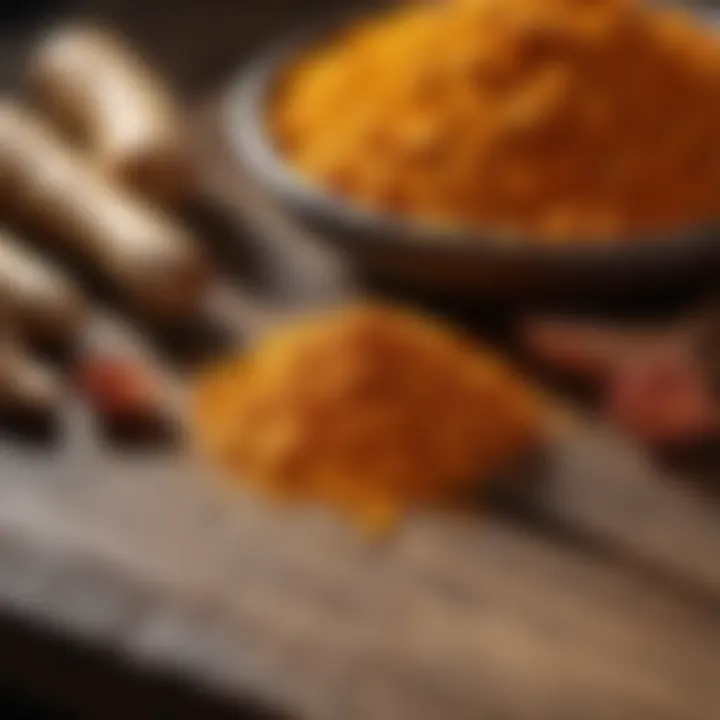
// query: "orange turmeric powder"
[[559, 120], [366, 409]]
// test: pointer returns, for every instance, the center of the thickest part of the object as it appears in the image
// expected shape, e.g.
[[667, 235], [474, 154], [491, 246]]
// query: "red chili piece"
[[117, 387]]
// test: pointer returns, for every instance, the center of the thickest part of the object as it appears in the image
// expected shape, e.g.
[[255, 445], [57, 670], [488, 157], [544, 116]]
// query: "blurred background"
[[197, 44]]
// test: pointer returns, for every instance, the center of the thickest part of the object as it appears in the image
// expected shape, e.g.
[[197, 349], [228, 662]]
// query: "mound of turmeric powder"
[[560, 120], [366, 409]]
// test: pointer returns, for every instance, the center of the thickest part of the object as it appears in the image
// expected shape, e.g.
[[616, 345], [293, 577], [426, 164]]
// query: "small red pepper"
[[117, 387], [651, 385]]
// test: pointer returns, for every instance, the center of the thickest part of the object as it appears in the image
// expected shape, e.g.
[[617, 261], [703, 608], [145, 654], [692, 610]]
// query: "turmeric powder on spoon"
[[368, 410]]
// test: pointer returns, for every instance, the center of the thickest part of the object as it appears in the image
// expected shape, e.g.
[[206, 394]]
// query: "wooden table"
[[134, 584]]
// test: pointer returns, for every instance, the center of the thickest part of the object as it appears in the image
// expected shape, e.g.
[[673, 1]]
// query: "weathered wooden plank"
[[605, 486], [468, 616]]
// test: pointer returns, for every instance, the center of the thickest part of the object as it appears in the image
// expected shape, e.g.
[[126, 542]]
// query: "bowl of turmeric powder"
[[499, 145]]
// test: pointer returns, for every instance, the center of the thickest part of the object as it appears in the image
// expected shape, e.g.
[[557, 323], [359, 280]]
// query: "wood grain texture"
[[468, 616]]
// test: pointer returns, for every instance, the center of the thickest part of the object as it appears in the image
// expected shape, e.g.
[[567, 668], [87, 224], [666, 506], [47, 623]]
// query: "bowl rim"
[[251, 142]]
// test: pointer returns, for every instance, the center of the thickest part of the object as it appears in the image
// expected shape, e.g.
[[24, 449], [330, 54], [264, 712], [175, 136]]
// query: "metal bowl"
[[457, 262]]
